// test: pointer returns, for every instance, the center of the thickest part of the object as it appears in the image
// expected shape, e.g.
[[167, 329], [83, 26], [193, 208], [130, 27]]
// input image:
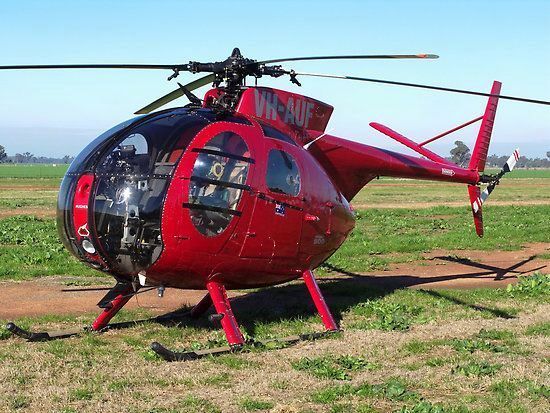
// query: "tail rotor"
[[495, 179], [477, 197]]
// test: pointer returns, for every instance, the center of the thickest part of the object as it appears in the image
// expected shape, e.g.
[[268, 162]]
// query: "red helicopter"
[[242, 189]]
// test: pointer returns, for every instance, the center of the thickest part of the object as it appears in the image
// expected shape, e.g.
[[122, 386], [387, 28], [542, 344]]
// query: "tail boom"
[[352, 165]]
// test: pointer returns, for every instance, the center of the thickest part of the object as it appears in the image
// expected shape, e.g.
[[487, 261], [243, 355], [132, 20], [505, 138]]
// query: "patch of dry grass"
[[445, 359]]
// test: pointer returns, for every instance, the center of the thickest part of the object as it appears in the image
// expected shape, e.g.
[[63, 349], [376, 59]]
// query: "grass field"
[[32, 190], [431, 215], [32, 170], [29, 246], [402, 350]]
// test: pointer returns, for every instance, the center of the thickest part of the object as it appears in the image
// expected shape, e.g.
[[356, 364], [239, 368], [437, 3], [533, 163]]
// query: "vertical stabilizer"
[[479, 156], [481, 148]]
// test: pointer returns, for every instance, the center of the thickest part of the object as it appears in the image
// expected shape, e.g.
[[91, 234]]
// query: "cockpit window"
[[283, 176], [137, 142], [81, 162], [217, 182], [273, 133], [129, 156], [132, 177]]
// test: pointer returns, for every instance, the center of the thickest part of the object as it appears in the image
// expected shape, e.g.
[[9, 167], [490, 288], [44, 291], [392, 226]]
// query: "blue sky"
[[56, 113]]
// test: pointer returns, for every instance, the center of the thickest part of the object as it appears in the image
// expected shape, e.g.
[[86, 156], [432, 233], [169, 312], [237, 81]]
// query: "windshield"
[[132, 178], [131, 168]]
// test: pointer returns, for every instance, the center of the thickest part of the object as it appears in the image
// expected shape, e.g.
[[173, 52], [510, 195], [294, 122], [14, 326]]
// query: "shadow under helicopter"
[[292, 302]]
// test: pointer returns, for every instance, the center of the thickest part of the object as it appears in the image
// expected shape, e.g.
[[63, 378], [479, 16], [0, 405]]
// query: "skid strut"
[[319, 301], [217, 296], [123, 294], [236, 341], [225, 314]]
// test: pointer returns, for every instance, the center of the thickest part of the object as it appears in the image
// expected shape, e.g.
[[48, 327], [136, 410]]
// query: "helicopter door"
[[276, 225], [215, 178]]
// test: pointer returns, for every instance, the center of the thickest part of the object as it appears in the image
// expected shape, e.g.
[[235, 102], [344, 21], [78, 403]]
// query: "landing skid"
[[119, 295], [170, 355], [55, 335], [113, 301], [44, 335]]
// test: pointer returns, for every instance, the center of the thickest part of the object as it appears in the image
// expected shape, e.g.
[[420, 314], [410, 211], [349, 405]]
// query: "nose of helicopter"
[[113, 220], [110, 219], [111, 199]]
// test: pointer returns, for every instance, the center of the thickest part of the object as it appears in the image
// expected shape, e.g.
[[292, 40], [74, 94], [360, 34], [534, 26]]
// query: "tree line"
[[28, 157], [461, 155]]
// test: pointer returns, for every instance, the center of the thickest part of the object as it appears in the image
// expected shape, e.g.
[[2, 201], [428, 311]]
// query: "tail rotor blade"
[[508, 167], [486, 192], [478, 197], [511, 162], [203, 81]]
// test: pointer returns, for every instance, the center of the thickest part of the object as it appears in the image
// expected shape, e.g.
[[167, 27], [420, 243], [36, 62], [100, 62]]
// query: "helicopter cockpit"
[[131, 168]]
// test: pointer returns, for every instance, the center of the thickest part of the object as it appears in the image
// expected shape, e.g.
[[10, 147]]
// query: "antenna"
[[307, 145]]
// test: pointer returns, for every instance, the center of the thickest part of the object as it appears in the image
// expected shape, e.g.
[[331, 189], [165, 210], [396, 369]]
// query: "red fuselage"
[[275, 237], [248, 199]]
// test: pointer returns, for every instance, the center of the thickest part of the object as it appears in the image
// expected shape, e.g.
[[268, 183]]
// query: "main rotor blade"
[[86, 66], [417, 85], [347, 57], [203, 81]]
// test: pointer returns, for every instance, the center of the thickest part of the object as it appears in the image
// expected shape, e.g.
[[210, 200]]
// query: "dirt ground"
[[466, 269], [441, 269], [52, 294], [421, 205], [34, 211]]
